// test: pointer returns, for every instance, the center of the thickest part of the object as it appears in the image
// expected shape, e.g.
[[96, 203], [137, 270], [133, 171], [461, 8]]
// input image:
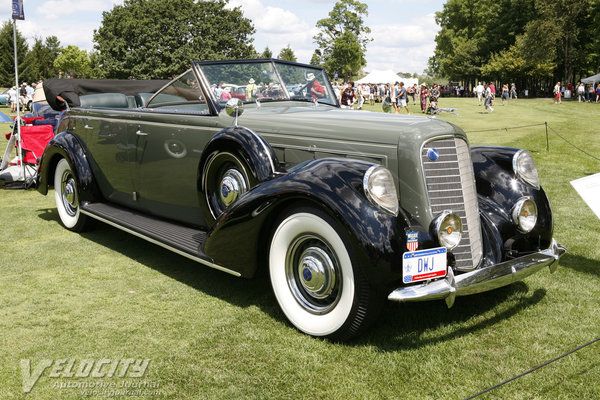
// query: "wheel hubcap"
[[69, 194], [317, 273], [313, 274], [233, 185]]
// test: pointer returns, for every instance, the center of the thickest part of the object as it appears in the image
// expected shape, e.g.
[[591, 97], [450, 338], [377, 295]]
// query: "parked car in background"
[[345, 209], [4, 97]]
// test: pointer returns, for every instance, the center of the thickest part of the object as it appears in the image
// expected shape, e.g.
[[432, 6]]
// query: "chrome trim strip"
[[163, 245], [481, 280]]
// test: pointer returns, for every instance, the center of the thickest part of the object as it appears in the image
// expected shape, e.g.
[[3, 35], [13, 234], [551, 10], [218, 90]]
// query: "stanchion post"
[[547, 141]]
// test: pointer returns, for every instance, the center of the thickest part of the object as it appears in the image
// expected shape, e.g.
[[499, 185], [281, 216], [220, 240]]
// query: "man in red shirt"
[[313, 87], [493, 91]]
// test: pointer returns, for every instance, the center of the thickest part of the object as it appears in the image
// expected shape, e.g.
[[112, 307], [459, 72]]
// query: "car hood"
[[328, 122]]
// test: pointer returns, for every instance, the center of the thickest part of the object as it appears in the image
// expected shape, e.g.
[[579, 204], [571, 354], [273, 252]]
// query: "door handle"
[[140, 133]]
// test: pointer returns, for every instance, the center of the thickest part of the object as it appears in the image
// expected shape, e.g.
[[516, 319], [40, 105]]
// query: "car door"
[[169, 139], [107, 139]]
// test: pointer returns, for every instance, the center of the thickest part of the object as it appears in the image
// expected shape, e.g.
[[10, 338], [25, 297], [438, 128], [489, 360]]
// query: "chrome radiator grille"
[[451, 186]]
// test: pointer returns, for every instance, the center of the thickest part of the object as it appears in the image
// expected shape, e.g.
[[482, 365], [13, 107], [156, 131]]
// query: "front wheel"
[[316, 279], [66, 195]]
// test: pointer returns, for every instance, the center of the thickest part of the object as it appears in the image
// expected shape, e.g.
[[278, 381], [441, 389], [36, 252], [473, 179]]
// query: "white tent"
[[387, 76], [591, 79]]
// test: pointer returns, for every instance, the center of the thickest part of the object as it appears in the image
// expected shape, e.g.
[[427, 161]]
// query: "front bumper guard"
[[481, 280]]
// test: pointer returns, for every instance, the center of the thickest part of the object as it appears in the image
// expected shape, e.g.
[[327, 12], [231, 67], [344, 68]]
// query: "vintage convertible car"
[[344, 208]]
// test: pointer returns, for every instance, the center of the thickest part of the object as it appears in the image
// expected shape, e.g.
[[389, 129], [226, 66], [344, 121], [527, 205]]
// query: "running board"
[[183, 240]]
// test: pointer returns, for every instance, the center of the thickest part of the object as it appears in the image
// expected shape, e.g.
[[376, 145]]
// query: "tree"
[[267, 53], [317, 58], [73, 61], [7, 55], [160, 39], [287, 54], [343, 37], [39, 62], [472, 30]]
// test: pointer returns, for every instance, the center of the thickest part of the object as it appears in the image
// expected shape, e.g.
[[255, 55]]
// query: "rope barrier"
[[580, 149], [533, 369], [547, 143], [505, 129]]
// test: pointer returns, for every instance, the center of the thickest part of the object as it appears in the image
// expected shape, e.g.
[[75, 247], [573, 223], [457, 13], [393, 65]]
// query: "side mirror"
[[234, 108]]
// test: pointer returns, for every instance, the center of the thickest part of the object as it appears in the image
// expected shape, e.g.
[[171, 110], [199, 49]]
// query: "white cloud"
[[277, 28], [405, 47]]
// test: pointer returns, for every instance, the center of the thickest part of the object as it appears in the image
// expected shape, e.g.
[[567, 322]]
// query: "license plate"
[[424, 264]]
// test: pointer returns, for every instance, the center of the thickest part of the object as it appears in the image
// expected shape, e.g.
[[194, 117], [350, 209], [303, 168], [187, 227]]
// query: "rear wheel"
[[316, 279], [66, 195]]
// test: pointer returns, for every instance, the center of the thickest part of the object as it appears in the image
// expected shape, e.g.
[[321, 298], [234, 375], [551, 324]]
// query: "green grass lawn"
[[105, 294]]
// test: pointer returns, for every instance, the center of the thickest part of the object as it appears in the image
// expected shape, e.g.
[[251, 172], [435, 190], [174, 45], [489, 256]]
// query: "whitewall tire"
[[314, 276], [66, 195]]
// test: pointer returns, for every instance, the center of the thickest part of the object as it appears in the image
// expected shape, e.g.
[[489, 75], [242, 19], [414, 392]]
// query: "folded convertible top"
[[71, 89]]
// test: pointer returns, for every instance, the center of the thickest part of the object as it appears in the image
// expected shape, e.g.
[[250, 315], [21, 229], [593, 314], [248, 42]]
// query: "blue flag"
[[17, 8]]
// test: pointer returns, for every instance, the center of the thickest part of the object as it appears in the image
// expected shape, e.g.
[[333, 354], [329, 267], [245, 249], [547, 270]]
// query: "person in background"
[[513, 91], [372, 90], [412, 91], [598, 93], [402, 98], [423, 97], [394, 95], [493, 91], [359, 97], [488, 99], [313, 87], [226, 94], [348, 96], [13, 98], [557, 93], [23, 96], [504, 94], [251, 89], [479, 89], [580, 92]]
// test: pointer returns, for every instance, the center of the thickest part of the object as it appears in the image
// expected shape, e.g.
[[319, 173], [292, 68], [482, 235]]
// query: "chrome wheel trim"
[[69, 193], [233, 185], [213, 186], [312, 274]]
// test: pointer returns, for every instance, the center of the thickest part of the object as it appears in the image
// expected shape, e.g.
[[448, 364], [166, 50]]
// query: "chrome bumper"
[[481, 280]]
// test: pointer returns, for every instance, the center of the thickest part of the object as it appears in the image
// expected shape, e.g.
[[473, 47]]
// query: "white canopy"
[[387, 76], [591, 79]]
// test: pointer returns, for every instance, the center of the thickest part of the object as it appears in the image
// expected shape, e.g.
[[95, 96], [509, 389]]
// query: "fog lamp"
[[448, 228], [524, 214]]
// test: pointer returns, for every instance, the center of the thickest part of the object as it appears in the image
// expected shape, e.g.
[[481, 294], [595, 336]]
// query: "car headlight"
[[380, 189], [448, 228], [524, 214], [525, 168]]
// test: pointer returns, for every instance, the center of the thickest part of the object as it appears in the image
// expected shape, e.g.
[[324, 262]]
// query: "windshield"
[[267, 81]]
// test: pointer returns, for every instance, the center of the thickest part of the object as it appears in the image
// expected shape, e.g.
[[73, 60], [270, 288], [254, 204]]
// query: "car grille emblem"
[[433, 154]]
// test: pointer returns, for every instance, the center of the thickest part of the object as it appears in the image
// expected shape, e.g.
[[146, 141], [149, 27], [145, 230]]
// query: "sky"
[[403, 31]]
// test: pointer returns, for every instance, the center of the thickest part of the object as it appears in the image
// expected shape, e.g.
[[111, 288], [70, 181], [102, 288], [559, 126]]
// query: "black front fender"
[[334, 186], [499, 189]]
